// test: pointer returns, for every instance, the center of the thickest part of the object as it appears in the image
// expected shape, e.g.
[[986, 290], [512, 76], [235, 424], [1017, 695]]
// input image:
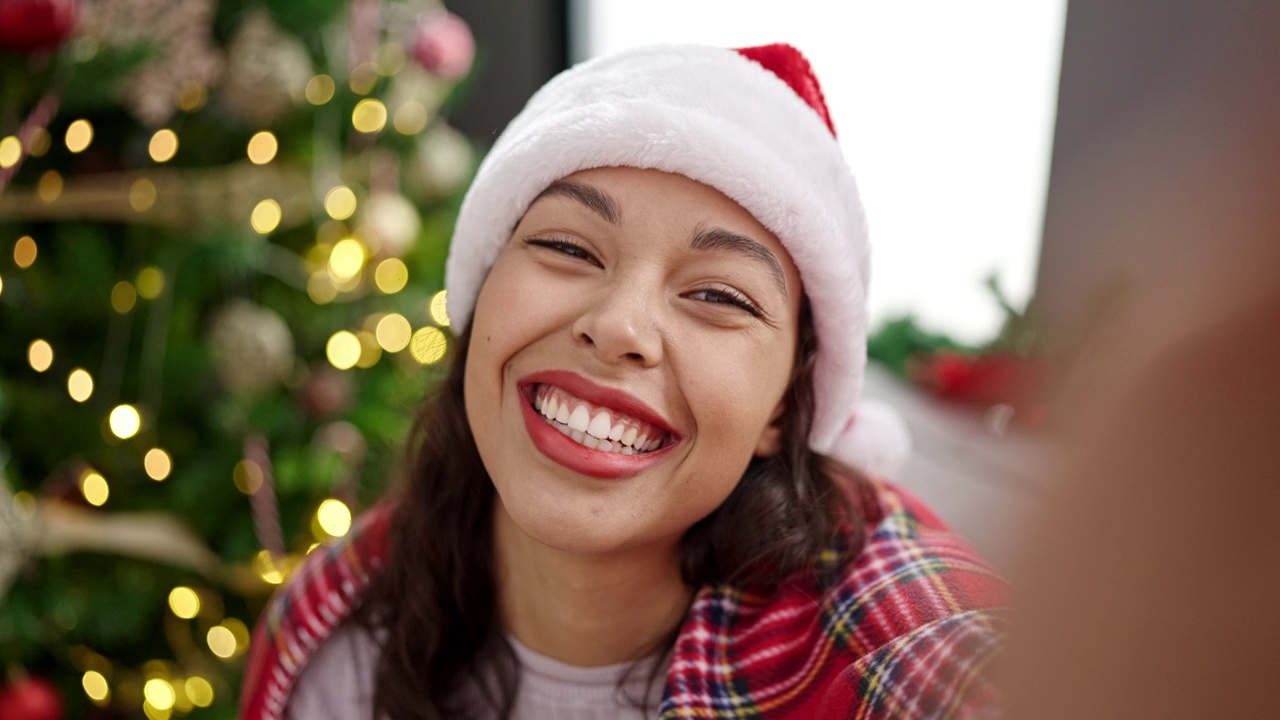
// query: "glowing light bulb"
[[95, 686], [79, 135], [439, 308], [266, 216], [124, 421], [334, 517], [369, 116], [391, 275], [267, 569], [25, 251], [262, 147], [163, 145], [221, 641], [410, 118], [40, 355], [184, 602], [159, 693], [158, 464], [393, 332], [150, 282], [347, 259], [80, 385], [428, 345], [343, 350], [340, 203], [142, 195], [199, 691], [10, 151], [320, 89], [94, 488], [247, 476]]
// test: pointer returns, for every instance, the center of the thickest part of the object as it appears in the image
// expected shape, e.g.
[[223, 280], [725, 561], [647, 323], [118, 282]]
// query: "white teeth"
[[628, 450], [629, 437], [591, 442], [641, 442], [564, 429], [549, 408], [579, 419], [577, 435], [606, 446], [615, 432], [562, 414], [599, 427]]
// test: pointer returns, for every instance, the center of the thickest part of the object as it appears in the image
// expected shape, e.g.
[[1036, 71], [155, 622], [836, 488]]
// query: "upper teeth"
[[598, 428]]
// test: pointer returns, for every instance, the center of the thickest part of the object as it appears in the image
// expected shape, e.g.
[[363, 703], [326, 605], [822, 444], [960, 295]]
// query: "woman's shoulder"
[[916, 602], [320, 596]]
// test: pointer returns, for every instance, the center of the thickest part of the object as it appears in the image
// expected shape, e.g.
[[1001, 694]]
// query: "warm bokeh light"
[[159, 693], [362, 78], [95, 686], [25, 251], [221, 642], [184, 602], [79, 135], [266, 216], [410, 118], [343, 350], [347, 259], [262, 147], [94, 488], [10, 151], [123, 297], [320, 89], [370, 351], [340, 203], [393, 332], [163, 145], [150, 282], [267, 568], [40, 355], [334, 517], [439, 308], [369, 116], [199, 691], [391, 275], [320, 288], [124, 421], [428, 345], [247, 476], [142, 195], [49, 187], [1, 286], [192, 96], [39, 142], [158, 464], [80, 385]]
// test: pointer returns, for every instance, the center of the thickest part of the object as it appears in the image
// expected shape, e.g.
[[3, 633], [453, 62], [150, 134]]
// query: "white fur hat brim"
[[714, 116]]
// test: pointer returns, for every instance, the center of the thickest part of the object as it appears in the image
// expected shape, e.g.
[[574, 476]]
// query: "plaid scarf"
[[903, 630]]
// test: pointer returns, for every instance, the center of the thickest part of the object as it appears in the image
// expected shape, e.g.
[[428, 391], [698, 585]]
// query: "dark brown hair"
[[435, 602]]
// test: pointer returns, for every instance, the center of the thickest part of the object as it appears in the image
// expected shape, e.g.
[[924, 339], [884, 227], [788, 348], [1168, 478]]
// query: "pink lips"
[[579, 458]]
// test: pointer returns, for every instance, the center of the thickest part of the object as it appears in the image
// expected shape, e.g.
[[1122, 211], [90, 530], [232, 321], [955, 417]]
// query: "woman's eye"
[[726, 297], [565, 247]]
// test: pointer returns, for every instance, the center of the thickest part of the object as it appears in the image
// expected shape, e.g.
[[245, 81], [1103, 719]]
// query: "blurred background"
[[223, 228]]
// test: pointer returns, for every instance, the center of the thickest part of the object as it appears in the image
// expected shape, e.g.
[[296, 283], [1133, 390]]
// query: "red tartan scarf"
[[903, 630]]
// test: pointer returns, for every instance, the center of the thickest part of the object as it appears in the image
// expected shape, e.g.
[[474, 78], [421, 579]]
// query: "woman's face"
[[655, 322]]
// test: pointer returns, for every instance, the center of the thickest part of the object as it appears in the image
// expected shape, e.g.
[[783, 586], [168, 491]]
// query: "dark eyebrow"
[[594, 198], [718, 238]]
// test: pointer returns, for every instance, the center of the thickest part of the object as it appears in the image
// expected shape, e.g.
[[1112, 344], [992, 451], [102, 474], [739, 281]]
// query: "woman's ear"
[[770, 441]]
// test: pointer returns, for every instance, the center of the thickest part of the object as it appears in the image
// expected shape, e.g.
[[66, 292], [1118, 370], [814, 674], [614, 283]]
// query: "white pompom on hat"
[[751, 123]]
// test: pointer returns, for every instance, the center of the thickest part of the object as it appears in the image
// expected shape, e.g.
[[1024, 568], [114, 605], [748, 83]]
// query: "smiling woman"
[[632, 495]]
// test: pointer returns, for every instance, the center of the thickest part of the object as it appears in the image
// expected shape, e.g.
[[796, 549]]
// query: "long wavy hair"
[[434, 604]]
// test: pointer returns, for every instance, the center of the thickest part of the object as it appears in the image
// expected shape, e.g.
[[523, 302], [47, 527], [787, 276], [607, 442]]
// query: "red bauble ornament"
[[442, 44], [31, 698], [29, 26]]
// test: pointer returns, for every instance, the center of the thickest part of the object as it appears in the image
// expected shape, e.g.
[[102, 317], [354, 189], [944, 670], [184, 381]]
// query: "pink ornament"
[[28, 26], [442, 44], [31, 698]]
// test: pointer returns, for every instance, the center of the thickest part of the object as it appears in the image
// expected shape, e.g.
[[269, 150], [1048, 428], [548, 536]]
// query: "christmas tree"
[[222, 234]]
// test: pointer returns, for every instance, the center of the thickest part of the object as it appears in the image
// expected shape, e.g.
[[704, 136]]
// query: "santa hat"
[[751, 123]]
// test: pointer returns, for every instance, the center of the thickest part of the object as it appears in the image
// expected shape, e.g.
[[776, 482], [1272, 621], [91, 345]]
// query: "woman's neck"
[[586, 610]]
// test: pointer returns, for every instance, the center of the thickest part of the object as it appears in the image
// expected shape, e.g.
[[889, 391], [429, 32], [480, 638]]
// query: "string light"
[[369, 116], [79, 135], [347, 259], [334, 517], [262, 147], [192, 96], [124, 421], [163, 146], [49, 187], [158, 464], [150, 282], [199, 691], [267, 569], [266, 216], [410, 118], [94, 488], [428, 345], [10, 151], [80, 385], [40, 355], [184, 602], [95, 686], [393, 332], [439, 308], [247, 476], [40, 141], [340, 203], [142, 195], [391, 275], [320, 288], [154, 713], [123, 297], [343, 350], [320, 89], [24, 252], [159, 693]]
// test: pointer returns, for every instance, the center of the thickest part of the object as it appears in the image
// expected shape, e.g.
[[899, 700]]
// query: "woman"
[[622, 503]]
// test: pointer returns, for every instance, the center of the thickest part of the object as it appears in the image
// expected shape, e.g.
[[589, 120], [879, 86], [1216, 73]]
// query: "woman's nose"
[[621, 326]]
